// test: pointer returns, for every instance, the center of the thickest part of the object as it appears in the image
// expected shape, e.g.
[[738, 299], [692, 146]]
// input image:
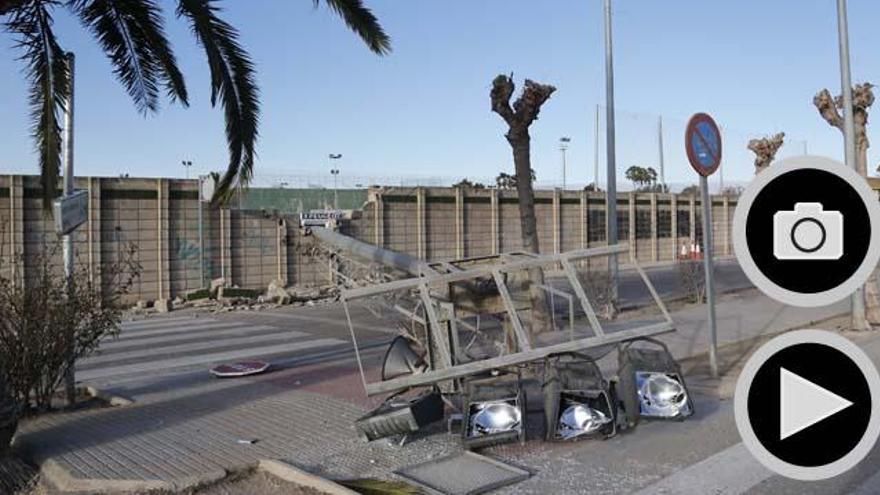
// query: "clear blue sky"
[[424, 110]]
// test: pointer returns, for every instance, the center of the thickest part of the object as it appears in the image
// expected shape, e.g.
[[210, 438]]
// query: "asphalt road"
[[167, 357]]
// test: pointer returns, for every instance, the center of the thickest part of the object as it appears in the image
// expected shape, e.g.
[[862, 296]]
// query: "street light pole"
[[70, 377], [611, 178], [596, 151], [186, 164], [335, 173], [563, 146], [859, 318]]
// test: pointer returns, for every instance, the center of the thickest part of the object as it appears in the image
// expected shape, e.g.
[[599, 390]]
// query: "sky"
[[423, 111]]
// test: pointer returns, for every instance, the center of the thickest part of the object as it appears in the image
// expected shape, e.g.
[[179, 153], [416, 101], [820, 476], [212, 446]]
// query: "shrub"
[[44, 329], [693, 279]]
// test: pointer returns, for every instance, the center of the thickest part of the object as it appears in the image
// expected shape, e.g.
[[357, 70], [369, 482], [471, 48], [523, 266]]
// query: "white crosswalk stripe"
[[166, 344]]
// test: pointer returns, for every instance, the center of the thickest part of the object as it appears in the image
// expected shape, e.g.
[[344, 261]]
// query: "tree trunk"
[[520, 142], [8, 415], [871, 290]]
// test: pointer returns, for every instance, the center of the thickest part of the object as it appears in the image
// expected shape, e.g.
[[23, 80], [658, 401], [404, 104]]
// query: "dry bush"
[[43, 329], [693, 279], [599, 288]]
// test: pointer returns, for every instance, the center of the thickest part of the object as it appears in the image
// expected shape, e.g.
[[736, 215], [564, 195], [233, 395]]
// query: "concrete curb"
[[289, 472], [113, 400], [61, 480]]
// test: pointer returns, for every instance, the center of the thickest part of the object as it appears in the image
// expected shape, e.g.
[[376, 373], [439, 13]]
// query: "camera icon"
[[808, 233]]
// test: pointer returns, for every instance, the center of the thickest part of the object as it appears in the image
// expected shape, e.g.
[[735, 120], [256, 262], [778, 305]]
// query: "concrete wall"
[[252, 248], [449, 223], [160, 217]]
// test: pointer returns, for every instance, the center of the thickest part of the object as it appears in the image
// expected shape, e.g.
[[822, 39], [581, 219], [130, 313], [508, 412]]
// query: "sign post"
[[703, 145]]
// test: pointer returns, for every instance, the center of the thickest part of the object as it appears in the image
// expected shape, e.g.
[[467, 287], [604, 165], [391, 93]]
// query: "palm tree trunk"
[[520, 142]]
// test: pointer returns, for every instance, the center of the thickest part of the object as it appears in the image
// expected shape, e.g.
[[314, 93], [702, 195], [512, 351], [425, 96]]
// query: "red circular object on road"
[[694, 137], [244, 368]]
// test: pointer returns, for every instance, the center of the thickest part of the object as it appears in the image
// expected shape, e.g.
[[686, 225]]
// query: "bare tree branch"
[[828, 109], [529, 103], [765, 150], [502, 90]]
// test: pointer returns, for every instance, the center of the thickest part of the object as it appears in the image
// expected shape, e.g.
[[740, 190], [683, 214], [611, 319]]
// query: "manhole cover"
[[463, 474]]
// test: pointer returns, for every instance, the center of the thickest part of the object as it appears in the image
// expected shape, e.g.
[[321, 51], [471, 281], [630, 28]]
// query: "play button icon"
[[802, 403], [806, 404]]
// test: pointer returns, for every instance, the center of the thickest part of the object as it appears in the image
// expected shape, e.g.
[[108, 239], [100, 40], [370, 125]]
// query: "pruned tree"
[[829, 108], [519, 117], [765, 150]]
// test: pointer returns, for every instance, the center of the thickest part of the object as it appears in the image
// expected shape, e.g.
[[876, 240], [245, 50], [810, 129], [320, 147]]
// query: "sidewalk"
[[303, 415]]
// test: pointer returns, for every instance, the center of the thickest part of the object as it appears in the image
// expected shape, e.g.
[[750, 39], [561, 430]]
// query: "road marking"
[[136, 334], [204, 359], [332, 321], [204, 334], [136, 324], [729, 472], [210, 343]]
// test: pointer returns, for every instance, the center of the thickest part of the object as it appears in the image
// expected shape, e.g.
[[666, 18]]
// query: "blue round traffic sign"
[[703, 144]]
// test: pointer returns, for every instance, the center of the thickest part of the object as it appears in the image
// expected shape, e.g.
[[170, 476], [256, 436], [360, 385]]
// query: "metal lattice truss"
[[446, 300]]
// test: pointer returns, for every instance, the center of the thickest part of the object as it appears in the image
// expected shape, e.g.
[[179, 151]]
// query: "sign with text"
[[71, 212], [320, 218]]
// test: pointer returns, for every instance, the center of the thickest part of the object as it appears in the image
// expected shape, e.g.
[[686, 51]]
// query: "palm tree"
[[131, 33]]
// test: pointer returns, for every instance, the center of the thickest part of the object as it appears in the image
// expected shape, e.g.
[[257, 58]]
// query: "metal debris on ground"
[[466, 473]]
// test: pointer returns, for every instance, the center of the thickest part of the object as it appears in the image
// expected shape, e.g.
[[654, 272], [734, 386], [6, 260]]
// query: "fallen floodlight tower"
[[442, 298]]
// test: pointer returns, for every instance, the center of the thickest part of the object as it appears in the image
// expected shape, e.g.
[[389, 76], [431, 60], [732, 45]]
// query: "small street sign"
[[71, 211], [703, 144]]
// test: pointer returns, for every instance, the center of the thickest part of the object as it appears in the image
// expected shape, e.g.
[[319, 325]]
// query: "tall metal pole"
[[596, 150], [70, 378], [609, 150], [660, 150], [708, 266], [563, 167], [201, 235], [859, 319]]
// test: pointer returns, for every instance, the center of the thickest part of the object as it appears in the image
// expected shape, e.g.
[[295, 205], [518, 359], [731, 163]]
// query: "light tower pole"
[[335, 173], [611, 177], [186, 164], [563, 146], [859, 316]]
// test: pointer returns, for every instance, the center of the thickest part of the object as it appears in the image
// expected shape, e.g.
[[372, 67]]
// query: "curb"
[[60, 479], [289, 472], [113, 400]]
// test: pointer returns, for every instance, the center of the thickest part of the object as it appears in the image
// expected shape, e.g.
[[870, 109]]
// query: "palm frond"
[[361, 20], [46, 70], [132, 35], [233, 82]]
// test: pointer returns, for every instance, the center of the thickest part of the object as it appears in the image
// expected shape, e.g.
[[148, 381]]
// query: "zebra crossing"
[[176, 344]]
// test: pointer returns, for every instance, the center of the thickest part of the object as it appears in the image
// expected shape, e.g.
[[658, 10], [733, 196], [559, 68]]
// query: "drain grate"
[[466, 473]]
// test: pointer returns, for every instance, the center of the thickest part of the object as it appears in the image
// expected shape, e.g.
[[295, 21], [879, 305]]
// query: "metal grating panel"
[[467, 473]]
